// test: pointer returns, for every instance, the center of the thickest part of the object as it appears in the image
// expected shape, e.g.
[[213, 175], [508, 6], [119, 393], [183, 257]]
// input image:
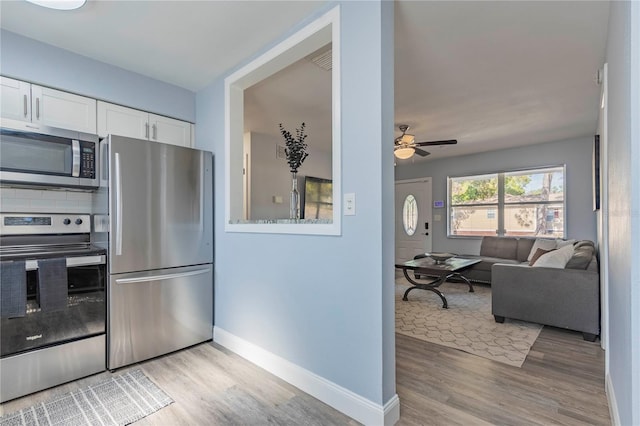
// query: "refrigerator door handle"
[[202, 199], [118, 198], [162, 277]]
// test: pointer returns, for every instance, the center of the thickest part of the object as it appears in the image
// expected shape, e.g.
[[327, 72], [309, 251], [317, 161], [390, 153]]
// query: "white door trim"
[[604, 218]]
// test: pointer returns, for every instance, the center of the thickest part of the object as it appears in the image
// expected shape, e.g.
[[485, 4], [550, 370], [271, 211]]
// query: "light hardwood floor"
[[561, 382]]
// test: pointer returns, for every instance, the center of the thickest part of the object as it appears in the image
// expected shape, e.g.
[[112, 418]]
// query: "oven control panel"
[[59, 223]]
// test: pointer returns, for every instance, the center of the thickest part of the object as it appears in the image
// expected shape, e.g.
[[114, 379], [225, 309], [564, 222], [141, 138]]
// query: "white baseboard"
[[343, 400], [613, 404]]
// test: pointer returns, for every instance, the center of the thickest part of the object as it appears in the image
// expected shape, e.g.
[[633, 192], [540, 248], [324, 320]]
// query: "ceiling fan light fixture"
[[59, 4], [404, 153], [408, 139]]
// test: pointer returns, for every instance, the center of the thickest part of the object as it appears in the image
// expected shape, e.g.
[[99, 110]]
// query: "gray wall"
[[576, 154], [303, 298], [623, 214], [26, 59]]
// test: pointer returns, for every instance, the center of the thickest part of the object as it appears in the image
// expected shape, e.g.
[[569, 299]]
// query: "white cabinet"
[[16, 99], [170, 130], [42, 105], [123, 121]]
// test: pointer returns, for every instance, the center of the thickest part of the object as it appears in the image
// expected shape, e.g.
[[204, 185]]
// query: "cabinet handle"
[[37, 108], [155, 132], [25, 106], [146, 130]]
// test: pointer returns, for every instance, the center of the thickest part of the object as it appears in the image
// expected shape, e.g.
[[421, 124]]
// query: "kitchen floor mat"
[[120, 400]]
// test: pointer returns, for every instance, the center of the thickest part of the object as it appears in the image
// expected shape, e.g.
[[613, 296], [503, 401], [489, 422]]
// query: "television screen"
[[317, 199]]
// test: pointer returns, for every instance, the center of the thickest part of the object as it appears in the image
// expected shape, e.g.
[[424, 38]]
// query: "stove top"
[[29, 236]]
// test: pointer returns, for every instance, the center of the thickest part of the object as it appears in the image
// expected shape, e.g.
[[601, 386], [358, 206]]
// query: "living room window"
[[516, 203]]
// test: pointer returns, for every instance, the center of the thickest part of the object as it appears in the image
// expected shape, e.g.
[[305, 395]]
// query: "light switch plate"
[[350, 204]]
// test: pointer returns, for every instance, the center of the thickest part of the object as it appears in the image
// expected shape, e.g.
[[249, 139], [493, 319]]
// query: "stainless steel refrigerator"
[[155, 213]]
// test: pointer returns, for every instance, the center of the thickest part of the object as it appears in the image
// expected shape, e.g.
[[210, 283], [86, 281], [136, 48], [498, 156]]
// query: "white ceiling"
[[490, 74]]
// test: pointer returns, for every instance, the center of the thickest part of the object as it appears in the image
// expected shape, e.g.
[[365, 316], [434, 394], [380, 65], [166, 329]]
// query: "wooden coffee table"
[[443, 270]]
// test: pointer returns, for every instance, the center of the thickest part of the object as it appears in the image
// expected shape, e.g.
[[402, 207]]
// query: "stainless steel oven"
[[53, 307], [46, 156]]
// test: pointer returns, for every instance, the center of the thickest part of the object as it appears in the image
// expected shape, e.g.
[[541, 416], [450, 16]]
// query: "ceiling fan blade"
[[422, 152], [430, 143]]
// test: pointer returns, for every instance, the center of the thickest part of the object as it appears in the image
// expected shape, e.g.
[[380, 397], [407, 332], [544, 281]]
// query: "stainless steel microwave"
[[35, 155]]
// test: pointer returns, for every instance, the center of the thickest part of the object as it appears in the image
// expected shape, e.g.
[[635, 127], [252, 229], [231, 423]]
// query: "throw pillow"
[[561, 243], [538, 253], [555, 259], [544, 244], [581, 257]]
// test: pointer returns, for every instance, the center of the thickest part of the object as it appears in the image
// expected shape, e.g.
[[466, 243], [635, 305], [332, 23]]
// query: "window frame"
[[502, 204]]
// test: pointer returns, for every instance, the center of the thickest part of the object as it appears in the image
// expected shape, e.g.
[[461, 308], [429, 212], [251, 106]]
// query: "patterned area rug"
[[467, 325], [120, 400]]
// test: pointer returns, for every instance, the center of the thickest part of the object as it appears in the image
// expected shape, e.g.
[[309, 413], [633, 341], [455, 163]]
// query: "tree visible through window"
[[521, 203]]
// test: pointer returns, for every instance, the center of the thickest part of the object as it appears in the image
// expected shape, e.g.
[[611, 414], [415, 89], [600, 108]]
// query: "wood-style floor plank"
[[560, 383]]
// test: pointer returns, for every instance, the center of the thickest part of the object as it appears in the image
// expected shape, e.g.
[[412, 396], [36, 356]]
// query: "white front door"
[[413, 218]]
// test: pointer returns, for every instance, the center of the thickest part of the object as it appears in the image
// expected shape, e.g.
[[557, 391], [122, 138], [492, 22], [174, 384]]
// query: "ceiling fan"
[[405, 145]]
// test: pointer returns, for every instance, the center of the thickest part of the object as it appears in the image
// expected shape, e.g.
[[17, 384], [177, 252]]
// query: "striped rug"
[[120, 400]]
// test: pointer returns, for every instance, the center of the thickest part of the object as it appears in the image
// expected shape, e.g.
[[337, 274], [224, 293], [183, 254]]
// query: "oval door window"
[[410, 215]]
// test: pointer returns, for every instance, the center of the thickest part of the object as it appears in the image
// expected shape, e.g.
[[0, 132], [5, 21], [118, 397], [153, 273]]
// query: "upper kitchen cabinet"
[[42, 105], [123, 121], [16, 99]]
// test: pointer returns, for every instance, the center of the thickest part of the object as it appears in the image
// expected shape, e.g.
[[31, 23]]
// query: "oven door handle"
[[72, 262]]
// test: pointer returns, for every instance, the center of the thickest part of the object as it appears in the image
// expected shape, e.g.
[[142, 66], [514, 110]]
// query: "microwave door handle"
[[104, 163], [75, 150], [118, 197]]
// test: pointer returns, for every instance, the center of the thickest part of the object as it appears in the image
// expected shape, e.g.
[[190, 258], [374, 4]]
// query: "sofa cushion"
[[538, 253], [524, 248], [504, 248], [581, 257], [541, 243], [555, 258], [582, 243], [487, 262], [561, 243]]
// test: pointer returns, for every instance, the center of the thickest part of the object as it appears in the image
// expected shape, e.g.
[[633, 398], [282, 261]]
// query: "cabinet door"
[[54, 108], [16, 99], [169, 130], [122, 121]]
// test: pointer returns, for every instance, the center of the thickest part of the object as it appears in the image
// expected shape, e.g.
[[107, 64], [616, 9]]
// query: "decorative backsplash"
[[18, 200]]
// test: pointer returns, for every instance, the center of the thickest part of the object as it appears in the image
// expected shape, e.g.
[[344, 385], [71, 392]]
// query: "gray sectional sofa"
[[505, 250], [566, 297]]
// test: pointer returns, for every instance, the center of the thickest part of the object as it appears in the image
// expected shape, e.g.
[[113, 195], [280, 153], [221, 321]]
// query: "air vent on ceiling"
[[323, 60]]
